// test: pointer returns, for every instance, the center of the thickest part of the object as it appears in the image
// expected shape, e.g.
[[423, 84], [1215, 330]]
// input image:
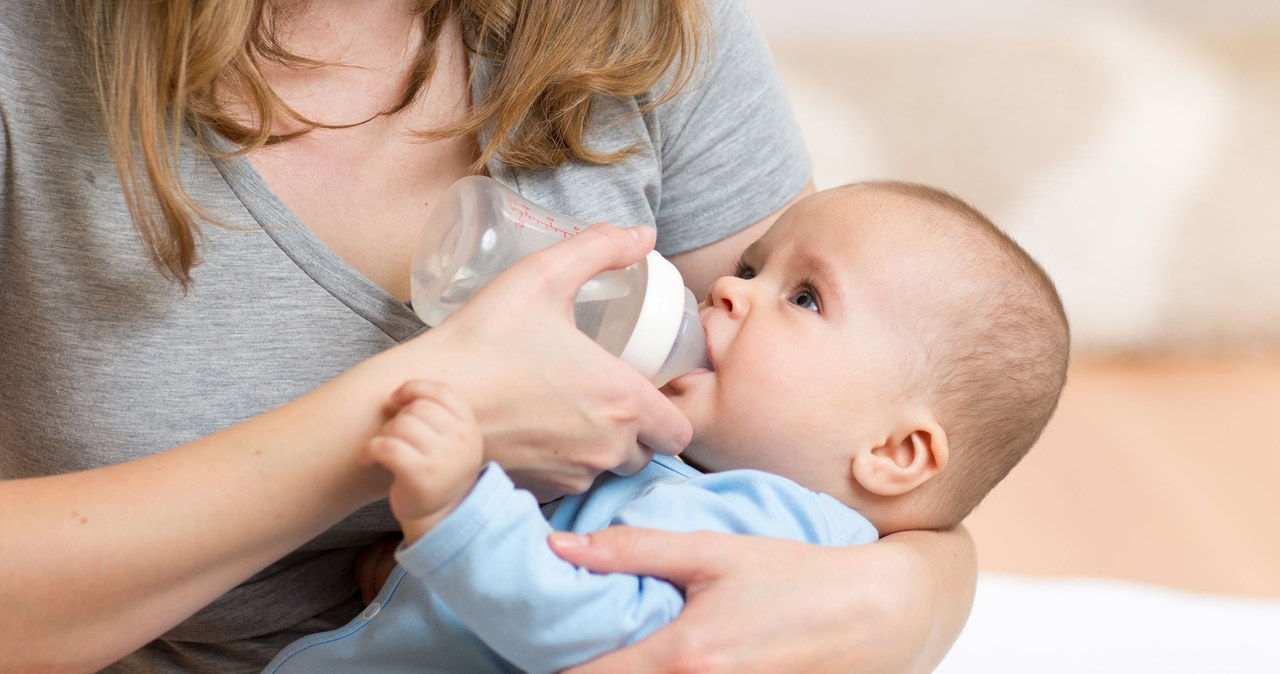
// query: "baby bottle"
[[643, 314]]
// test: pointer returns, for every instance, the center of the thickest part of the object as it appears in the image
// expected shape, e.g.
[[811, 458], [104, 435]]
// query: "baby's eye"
[[744, 271], [806, 298]]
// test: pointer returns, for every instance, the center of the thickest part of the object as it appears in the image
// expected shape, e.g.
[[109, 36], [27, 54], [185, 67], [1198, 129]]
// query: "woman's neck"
[[368, 47]]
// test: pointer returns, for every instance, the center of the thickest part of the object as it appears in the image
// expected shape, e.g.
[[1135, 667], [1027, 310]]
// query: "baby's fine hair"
[[996, 369]]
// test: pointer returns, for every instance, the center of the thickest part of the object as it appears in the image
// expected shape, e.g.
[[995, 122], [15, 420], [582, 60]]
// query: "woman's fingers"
[[598, 248], [644, 552], [663, 428], [633, 461], [548, 279], [835, 610], [677, 558]]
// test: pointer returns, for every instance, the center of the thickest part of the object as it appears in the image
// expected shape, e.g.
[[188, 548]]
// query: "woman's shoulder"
[[40, 57], [32, 30], [715, 158]]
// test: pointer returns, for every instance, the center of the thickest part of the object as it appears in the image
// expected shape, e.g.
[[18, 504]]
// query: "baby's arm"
[[490, 562], [482, 545], [433, 448]]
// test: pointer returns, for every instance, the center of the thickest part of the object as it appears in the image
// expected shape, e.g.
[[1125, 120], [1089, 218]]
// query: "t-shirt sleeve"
[[6, 68], [4, 167], [731, 150]]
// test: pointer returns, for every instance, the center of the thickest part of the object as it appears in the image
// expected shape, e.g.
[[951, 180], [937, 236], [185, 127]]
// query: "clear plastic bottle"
[[642, 314]]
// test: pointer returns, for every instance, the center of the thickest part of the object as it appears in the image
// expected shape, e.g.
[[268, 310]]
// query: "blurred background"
[[1133, 147]]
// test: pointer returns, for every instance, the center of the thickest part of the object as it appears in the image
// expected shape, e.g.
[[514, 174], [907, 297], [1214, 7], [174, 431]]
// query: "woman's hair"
[[158, 65]]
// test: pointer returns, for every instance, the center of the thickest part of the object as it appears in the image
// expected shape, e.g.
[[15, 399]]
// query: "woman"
[[207, 216]]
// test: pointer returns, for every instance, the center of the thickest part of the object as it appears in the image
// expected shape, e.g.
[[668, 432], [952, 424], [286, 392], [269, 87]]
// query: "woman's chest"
[[365, 184], [365, 193], [99, 367]]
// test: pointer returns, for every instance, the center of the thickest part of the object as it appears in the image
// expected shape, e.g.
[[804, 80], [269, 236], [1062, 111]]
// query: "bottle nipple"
[[689, 350]]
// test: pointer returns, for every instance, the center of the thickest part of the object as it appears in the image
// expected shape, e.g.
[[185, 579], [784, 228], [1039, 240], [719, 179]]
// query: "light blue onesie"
[[483, 592]]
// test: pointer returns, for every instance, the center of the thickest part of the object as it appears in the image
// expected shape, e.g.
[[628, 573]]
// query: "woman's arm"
[[761, 605], [95, 564]]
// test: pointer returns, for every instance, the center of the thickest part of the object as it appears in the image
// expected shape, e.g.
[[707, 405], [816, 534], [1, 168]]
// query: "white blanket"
[[1028, 625]]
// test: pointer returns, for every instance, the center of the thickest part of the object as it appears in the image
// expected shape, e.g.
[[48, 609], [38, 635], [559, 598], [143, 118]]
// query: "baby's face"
[[808, 350]]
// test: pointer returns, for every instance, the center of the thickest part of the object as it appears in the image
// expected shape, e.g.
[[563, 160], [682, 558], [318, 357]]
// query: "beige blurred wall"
[[1133, 146]]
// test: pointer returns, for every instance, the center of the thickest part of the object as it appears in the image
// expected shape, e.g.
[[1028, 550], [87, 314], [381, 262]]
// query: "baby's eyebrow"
[[749, 252], [822, 271]]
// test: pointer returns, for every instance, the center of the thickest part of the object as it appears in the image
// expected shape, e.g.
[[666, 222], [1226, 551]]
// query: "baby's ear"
[[903, 461]]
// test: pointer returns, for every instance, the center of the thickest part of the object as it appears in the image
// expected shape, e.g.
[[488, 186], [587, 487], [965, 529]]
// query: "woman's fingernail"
[[568, 539]]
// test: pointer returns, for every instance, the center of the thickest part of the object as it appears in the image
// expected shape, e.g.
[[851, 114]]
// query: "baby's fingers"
[[434, 393], [394, 454]]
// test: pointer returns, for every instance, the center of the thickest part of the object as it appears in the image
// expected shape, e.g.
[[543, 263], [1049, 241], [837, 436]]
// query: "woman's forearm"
[[932, 595], [95, 564]]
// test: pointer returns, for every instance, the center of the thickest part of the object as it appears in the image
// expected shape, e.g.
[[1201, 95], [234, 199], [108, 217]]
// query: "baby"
[[883, 357]]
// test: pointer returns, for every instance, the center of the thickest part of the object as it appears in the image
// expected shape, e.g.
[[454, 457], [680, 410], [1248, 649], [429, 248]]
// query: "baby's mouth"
[[678, 386]]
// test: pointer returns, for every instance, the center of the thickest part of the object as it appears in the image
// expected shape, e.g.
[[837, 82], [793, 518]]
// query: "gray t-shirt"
[[102, 360]]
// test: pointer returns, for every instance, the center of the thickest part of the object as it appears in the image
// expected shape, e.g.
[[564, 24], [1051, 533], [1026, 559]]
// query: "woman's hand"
[[766, 605], [555, 409], [374, 565]]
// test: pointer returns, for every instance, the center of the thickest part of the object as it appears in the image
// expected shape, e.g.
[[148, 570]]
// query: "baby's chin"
[[702, 452], [682, 384]]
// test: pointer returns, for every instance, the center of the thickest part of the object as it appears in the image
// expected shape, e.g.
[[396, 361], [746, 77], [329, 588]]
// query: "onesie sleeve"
[[490, 562], [748, 502], [731, 150]]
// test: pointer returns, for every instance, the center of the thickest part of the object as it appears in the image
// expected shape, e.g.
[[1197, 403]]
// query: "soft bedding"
[[1025, 625]]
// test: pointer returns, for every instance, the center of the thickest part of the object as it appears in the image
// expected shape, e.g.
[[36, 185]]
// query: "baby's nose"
[[728, 293]]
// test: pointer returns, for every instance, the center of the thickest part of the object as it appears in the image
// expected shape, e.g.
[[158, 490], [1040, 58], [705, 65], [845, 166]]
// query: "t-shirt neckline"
[[319, 262]]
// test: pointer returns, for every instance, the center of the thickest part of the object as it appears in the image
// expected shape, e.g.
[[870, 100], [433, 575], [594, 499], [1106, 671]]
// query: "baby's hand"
[[434, 450], [374, 565]]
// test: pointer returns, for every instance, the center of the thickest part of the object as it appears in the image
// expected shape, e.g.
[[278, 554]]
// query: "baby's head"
[[883, 343]]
